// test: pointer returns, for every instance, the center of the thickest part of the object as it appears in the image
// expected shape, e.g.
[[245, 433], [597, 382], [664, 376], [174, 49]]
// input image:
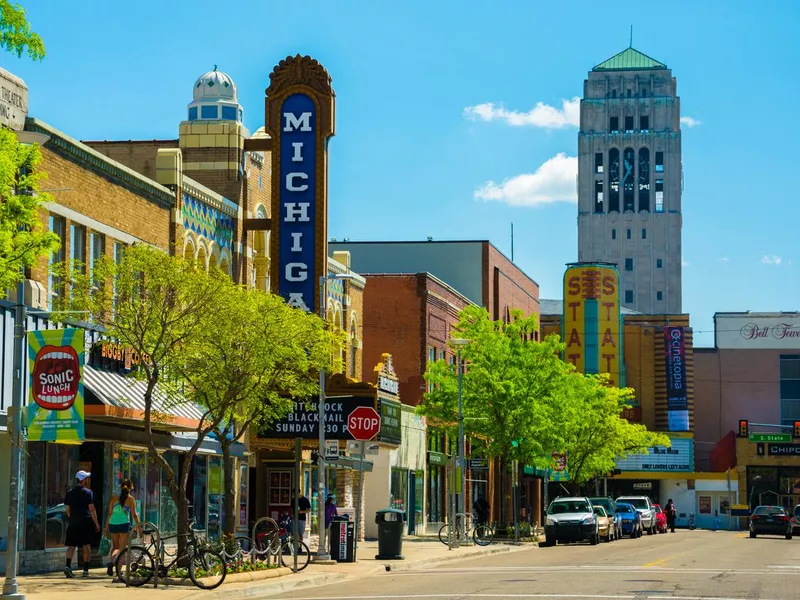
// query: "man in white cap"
[[81, 514]]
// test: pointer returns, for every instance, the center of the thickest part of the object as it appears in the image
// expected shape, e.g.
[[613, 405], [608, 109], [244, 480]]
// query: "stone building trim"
[[76, 217], [209, 196], [95, 161]]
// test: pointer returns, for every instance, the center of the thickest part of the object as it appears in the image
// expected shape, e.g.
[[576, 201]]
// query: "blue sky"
[[408, 161]]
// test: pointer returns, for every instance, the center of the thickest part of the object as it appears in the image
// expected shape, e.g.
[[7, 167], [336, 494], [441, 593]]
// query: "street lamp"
[[322, 554], [460, 343]]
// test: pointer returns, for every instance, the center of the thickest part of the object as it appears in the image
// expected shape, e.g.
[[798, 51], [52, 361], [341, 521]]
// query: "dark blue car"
[[631, 520]]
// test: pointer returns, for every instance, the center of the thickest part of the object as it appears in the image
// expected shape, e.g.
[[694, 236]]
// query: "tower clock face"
[[614, 170], [644, 170]]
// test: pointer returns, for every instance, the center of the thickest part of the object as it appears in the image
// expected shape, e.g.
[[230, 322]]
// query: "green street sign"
[[778, 438]]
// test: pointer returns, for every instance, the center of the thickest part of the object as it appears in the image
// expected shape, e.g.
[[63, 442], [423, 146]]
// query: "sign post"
[[364, 423]]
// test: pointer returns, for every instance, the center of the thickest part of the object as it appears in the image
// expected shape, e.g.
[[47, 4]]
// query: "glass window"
[[78, 243], [215, 503], [629, 264], [659, 296], [628, 121], [613, 180], [259, 182], [598, 162], [200, 490], [193, 113], [644, 123], [790, 367], [151, 493], [613, 125], [97, 243], [613, 234], [62, 464], [790, 389], [229, 113], [208, 111], [644, 233], [628, 233], [659, 162], [628, 296], [58, 225], [168, 524], [398, 492], [244, 486], [34, 498], [659, 263], [598, 196], [659, 195]]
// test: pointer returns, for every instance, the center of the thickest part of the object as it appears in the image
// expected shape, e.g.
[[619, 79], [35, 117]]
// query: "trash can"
[[391, 523], [343, 540]]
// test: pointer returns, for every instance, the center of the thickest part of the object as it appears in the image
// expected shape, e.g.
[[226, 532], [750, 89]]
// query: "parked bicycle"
[[467, 527], [278, 542], [206, 568]]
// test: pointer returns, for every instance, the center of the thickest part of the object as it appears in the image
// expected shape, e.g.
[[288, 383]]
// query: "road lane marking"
[[542, 596], [610, 569], [660, 561]]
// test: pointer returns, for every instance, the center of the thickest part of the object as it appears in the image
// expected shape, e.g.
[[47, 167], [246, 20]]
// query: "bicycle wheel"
[[288, 551], [142, 566], [483, 535], [207, 569]]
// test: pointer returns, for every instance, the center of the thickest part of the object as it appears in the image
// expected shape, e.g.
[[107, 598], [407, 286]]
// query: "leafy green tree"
[[22, 237], [15, 32], [249, 365], [595, 434], [161, 307], [511, 388]]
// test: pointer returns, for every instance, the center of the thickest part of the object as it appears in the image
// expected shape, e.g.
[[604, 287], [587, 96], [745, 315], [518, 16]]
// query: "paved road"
[[687, 565]]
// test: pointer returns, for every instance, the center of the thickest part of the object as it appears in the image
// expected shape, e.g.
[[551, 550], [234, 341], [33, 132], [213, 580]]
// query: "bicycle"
[[481, 533], [206, 568], [280, 542]]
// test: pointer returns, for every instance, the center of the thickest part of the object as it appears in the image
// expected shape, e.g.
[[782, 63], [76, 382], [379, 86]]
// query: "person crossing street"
[[671, 512]]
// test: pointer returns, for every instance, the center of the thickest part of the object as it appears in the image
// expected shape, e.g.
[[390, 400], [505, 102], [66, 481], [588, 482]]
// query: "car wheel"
[[752, 534], [594, 539], [550, 541], [789, 535]]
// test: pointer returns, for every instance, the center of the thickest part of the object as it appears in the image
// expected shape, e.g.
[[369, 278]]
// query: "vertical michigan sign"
[[591, 323], [300, 120]]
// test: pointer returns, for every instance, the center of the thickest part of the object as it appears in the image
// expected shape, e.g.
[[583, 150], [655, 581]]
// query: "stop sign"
[[364, 423]]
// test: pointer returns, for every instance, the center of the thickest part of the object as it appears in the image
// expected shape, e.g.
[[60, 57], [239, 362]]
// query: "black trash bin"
[[391, 523], [343, 540]]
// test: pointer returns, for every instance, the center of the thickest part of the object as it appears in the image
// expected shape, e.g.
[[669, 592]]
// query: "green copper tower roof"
[[629, 59]]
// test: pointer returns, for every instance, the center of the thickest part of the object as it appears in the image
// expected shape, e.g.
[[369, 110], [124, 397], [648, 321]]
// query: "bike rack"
[[463, 527], [157, 536], [254, 550]]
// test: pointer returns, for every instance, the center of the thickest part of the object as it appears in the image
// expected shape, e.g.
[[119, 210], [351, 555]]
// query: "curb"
[[299, 582]]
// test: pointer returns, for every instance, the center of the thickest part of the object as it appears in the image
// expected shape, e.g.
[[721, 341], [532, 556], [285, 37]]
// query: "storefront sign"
[[678, 457], [55, 405], [783, 449], [437, 458], [747, 331], [122, 354], [391, 419], [479, 464], [390, 386], [643, 485], [677, 390], [303, 421], [300, 114], [591, 320], [13, 101]]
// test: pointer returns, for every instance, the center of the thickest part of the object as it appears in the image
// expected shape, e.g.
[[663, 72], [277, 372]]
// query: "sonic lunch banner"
[[55, 405]]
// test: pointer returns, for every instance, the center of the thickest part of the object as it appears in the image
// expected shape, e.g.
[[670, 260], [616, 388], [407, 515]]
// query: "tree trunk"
[[229, 466]]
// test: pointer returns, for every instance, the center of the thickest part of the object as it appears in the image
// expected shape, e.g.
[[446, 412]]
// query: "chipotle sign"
[[754, 331]]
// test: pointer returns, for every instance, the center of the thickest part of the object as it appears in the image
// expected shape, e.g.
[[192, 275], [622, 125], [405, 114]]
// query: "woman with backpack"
[[121, 511]]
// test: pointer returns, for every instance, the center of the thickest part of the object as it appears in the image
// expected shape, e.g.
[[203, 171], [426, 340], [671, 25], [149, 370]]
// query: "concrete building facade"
[[630, 179]]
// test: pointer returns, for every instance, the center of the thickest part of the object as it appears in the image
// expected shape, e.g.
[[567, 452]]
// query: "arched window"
[[613, 180], [353, 346], [202, 257], [644, 179], [189, 251], [628, 179], [261, 263]]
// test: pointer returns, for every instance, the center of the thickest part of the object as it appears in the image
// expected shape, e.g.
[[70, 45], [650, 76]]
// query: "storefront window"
[[704, 503], [169, 512], [419, 496], [62, 464], [152, 495], [199, 491], [399, 488], [34, 503], [243, 496], [215, 504]]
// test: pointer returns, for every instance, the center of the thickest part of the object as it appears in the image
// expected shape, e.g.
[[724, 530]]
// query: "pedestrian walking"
[[303, 508], [330, 513], [481, 508], [83, 523], [119, 516], [671, 513]]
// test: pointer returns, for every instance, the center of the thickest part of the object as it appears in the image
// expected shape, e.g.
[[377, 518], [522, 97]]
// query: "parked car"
[[571, 520], [661, 519], [645, 508], [770, 520], [605, 524], [631, 520], [611, 509], [796, 520]]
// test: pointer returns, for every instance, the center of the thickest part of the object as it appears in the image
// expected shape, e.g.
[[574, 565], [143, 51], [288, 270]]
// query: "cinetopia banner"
[[55, 404], [677, 390]]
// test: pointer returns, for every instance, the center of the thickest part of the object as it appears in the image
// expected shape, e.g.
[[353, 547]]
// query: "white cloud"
[[772, 260], [541, 115], [724, 259], [690, 122], [553, 181]]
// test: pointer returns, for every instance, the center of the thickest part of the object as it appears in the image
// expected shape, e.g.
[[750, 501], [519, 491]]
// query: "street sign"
[[364, 423], [778, 438], [331, 450], [479, 464], [373, 449]]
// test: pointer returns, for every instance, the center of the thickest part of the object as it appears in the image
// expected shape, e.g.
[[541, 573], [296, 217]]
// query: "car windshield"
[[599, 511], [637, 502], [769, 510], [604, 502], [624, 508], [567, 506], [658, 509], [797, 511]]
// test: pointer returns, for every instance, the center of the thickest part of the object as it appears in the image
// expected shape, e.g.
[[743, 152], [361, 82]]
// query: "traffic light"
[[743, 428], [797, 429]]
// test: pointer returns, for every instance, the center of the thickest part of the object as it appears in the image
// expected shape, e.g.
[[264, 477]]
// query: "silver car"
[[645, 508], [571, 520]]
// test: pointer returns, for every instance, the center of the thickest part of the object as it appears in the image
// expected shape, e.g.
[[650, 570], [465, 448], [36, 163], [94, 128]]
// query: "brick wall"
[[138, 155], [356, 296], [506, 286]]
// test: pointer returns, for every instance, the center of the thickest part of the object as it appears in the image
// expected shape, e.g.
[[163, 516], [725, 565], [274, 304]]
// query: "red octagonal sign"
[[364, 423]]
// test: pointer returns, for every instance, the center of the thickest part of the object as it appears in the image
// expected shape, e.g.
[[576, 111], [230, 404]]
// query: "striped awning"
[[119, 391]]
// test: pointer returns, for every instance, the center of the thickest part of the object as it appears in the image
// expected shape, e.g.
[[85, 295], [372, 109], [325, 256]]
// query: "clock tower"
[[630, 179]]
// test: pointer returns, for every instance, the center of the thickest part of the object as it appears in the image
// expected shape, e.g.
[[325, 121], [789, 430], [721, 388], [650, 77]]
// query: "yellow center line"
[[661, 560]]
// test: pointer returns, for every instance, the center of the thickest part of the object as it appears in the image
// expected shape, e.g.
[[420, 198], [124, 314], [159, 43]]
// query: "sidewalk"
[[418, 552]]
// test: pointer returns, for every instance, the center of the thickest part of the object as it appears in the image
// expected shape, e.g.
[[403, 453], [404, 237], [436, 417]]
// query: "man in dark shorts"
[[83, 523], [304, 508]]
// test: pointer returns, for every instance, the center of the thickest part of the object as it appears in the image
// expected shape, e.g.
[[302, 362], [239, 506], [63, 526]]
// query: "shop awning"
[[123, 398], [348, 462]]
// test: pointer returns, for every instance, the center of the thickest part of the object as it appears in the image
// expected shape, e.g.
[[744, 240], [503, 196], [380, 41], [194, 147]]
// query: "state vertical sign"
[[300, 120]]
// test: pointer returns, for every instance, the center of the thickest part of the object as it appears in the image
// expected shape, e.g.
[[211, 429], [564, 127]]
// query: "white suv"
[[645, 508]]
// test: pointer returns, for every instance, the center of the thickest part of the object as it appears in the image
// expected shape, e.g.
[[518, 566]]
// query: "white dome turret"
[[215, 98]]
